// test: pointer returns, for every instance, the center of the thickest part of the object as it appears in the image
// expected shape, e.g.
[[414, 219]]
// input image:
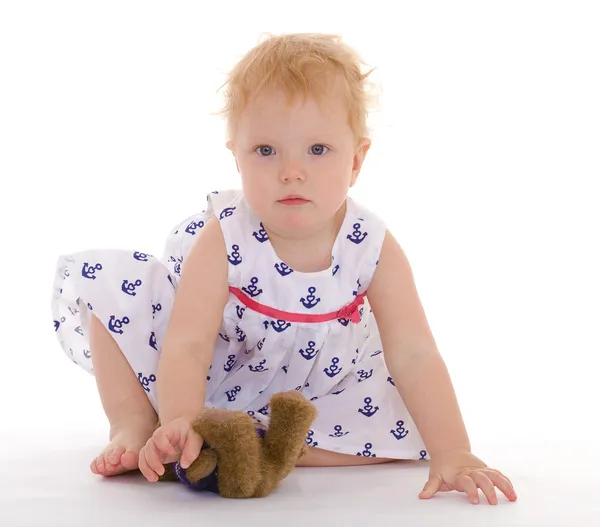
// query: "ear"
[[359, 156], [230, 146]]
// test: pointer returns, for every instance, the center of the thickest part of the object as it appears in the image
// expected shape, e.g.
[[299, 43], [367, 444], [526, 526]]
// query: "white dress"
[[271, 339]]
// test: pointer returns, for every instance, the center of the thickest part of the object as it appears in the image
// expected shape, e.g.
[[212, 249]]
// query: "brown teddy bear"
[[239, 460]]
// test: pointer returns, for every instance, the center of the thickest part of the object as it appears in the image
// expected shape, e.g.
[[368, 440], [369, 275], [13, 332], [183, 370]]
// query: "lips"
[[293, 199]]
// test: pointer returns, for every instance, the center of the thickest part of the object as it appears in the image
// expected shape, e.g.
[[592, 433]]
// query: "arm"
[[411, 354], [188, 347]]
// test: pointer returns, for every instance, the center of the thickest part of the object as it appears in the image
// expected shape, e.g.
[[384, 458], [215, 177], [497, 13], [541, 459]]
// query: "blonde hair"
[[299, 63]]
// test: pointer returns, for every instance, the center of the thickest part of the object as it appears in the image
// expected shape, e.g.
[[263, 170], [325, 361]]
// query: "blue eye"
[[266, 150], [320, 147], [261, 150]]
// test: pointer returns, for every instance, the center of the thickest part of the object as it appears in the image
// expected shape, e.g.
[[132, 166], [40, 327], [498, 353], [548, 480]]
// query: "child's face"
[[306, 150]]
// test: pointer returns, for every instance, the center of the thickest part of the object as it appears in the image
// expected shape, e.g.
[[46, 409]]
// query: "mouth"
[[293, 200]]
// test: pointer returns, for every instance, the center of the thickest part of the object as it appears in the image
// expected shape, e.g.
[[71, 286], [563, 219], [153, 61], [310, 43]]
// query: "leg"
[[317, 457], [130, 414]]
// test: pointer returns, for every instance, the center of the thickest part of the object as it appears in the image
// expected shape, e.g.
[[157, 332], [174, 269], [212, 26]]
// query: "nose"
[[292, 171]]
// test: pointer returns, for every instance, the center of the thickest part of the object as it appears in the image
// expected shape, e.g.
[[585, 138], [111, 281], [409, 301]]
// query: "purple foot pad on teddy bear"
[[209, 483]]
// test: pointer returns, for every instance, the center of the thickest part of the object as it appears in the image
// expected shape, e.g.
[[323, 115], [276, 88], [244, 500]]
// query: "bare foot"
[[122, 453]]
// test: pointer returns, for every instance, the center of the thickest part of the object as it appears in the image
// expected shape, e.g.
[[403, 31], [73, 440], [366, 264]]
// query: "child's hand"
[[462, 471], [171, 442]]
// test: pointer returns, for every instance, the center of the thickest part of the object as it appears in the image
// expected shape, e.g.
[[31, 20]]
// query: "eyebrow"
[[315, 139]]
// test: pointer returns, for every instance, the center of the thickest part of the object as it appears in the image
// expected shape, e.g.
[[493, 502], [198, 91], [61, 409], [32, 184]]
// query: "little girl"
[[285, 284]]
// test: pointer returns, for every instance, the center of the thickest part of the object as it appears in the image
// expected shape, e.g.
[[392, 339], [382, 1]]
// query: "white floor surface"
[[52, 485]]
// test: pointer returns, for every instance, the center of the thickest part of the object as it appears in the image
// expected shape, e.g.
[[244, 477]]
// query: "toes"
[[93, 467], [113, 470], [129, 460], [100, 465], [106, 457], [114, 456]]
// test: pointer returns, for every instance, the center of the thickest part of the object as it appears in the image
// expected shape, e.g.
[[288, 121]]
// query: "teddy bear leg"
[[285, 440]]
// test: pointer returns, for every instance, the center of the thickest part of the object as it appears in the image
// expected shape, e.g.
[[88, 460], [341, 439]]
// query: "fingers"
[[431, 487], [487, 480], [464, 483], [502, 482], [151, 461], [164, 439], [191, 449], [145, 469], [486, 486]]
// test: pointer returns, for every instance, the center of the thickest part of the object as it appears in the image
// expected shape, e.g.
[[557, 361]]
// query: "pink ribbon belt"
[[349, 312]]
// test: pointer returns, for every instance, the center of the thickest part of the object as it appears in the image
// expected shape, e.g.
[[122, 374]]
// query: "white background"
[[485, 163]]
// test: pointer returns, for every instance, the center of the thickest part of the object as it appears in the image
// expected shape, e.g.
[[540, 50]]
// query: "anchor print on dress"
[[57, 323], [241, 335], [227, 212], [260, 367], [252, 289], [355, 358], [142, 257], [336, 268], [338, 432], [391, 381], [283, 269], [375, 353], [368, 410], [235, 258], [309, 439], [264, 410], [156, 308], [230, 363], [367, 451], [279, 326], [261, 235], [240, 311], [152, 341], [364, 375], [128, 288], [310, 352], [232, 394], [115, 325], [355, 293], [400, 432], [73, 311], [333, 369], [88, 271], [357, 236], [177, 266], [194, 226], [311, 300], [78, 330], [224, 337], [260, 343], [86, 353], [423, 454], [145, 381]]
